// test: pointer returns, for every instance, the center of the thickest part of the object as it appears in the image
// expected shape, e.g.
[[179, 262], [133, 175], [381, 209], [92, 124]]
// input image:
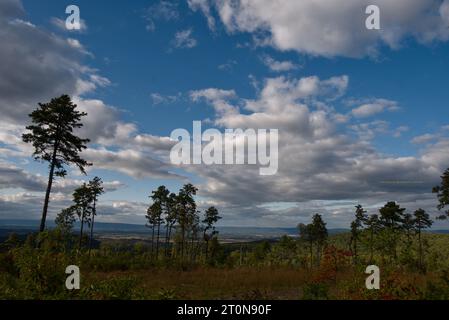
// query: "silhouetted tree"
[[408, 226], [96, 189], [442, 192], [83, 198], [65, 220], [373, 227], [422, 221], [391, 219], [307, 235], [186, 209], [320, 234], [356, 229], [171, 219], [53, 140], [211, 217], [160, 207], [153, 215]]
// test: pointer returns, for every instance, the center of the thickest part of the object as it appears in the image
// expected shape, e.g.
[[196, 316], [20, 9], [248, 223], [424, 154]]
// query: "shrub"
[[315, 291]]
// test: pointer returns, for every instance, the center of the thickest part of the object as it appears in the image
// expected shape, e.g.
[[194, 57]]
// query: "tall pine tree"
[[51, 134]]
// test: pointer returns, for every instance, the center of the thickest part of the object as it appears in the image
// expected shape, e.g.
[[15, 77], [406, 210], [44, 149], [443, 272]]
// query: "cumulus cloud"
[[329, 27], [26, 205], [320, 158], [13, 177], [134, 163], [217, 97], [36, 65]]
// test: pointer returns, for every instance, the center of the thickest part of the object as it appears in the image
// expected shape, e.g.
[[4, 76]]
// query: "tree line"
[[381, 233], [179, 213]]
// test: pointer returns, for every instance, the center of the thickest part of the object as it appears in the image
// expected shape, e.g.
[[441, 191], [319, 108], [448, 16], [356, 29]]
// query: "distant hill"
[[123, 229], [103, 229]]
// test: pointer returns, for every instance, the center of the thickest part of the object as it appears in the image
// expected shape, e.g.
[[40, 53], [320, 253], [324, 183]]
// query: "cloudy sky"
[[363, 115]]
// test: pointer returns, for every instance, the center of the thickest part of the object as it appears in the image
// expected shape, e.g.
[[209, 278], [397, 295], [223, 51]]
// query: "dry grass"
[[213, 283]]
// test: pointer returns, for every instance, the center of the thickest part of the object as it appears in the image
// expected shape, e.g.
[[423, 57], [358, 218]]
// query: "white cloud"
[[61, 25], [217, 97], [204, 7], [228, 66], [26, 205], [374, 107], [161, 11], [134, 163], [158, 98], [332, 28], [425, 138], [184, 39], [13, 177], [37, 66], [400, 130], [320, 159], [54, 68], [278, 66]]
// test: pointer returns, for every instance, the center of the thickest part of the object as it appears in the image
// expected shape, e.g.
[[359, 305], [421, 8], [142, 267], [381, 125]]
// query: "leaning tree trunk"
[[47, 193]]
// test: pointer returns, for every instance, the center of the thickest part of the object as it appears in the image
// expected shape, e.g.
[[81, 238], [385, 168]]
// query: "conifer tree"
[[52, 136]]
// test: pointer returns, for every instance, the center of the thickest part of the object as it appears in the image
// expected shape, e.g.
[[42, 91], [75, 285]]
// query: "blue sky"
[[139, 63], [150, 80]]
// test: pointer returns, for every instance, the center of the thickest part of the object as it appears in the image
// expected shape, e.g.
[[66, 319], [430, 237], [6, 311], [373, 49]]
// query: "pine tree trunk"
[[192, 247], [152, 241], [166, 239], [157, 240], [47, 193], [169, 238], [81, 232], [92, 227], [420, 250], [182, 242], [311, 255]]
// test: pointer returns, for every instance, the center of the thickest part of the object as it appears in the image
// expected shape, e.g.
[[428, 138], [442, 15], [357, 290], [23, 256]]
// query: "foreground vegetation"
[[279, 270]]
